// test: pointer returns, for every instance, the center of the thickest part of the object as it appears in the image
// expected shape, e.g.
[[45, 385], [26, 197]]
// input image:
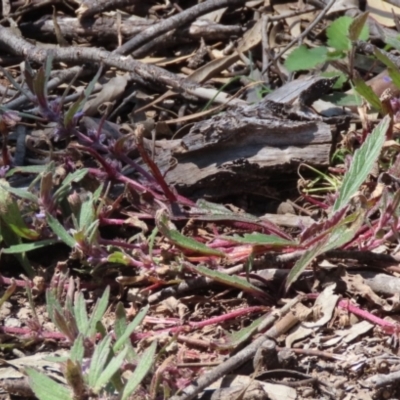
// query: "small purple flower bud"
[[395, 104], [40, 215], [10, 118], [3, 170]]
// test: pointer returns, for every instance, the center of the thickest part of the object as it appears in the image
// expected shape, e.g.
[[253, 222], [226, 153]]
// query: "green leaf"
[[99, 360], [73, 109], [241, 336], [214, 208], [80, 313], [29, 169], [11, 215], [77, 349], [46, 388], [119, 329], [392, 68], [75, 177], [392, 40], [60, 231], [112, 367], [363, 161], [343, 99], [49, 64], [22, 193], [303, 58], [62, 324], [10, 239], [98, 312], [184, 242], [92, 83], [340, 82], [24, 247], [260, 239], [303, 262], [83, 98], [17, 85], [92, 232], [142, 369], [152, 239], [74, 377], [52, 304], [125, 336], [336, 237], [118, 257], [335, 55], [366, 91], [230, 280], [338, 32], [120, 321], [345, 231], [358, 28]]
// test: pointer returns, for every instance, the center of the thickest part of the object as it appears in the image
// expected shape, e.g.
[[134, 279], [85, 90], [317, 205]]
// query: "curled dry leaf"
[[110, 92]]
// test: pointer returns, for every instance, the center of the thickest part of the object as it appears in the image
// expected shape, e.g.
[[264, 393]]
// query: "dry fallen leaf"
[[382, 12]]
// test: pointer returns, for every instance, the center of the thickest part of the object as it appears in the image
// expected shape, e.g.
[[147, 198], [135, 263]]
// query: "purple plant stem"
[[136, 166], [118, 243], [135, 336], [387, 326], [84, 285], [231, 315], [30, 333], [112, 221]]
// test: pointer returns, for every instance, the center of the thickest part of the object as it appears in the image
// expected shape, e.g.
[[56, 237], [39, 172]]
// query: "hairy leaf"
[[358, 28], [367, 92], [112, 367], [303, 58], [336, 237], [241, 336], [99, 360], [24, 247], [46, 388], [363, 161], [182, 241], [11, 215], [77, 349], [60, 231], [392, 68], [230, 280], [260, 239], [142, 369], [80, 313], [98, 312], [338, 33], [125, 336]]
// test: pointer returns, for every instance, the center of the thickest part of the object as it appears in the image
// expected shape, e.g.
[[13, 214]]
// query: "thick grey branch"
[[174, 22], [78, 55]]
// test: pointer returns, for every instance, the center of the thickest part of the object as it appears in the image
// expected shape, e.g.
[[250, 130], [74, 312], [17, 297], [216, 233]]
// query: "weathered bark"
[[241, 149], [106, 29]]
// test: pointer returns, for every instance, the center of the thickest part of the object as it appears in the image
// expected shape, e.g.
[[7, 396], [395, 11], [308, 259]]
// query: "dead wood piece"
[[245, 144], [288, 220], [381, 380], [143, 72], [239, 358], [174, 22], [380, 283], [88, 8], [101, 29], [105, 29]]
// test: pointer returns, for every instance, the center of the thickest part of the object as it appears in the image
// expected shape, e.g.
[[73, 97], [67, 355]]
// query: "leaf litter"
[[199, 200]]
